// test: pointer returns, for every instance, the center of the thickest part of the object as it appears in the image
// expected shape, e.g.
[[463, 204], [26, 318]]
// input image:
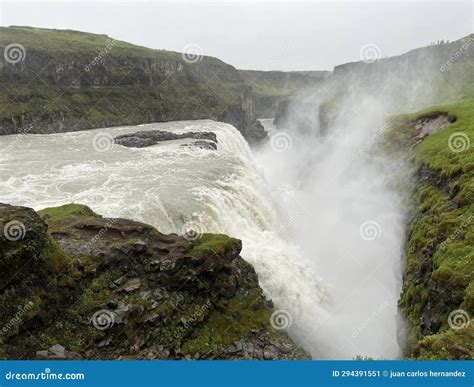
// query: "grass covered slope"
[[67, 80], [90, 287], [438, 291]]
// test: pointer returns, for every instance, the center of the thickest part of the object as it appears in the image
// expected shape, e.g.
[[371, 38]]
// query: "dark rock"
[[139, 246], [138, 313], [144, 139], [242, 115], [112, 304]]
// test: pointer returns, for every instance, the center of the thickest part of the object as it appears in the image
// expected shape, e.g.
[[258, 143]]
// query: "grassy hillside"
[[69, 80], [70, 41]]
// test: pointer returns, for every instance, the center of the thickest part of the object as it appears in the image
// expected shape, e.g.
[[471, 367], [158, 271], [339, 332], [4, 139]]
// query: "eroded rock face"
[[103, 288], [148, 86], [431, 125], [143, 139]]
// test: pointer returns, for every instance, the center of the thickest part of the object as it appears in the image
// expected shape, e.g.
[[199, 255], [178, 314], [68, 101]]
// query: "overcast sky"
[[283, 35]]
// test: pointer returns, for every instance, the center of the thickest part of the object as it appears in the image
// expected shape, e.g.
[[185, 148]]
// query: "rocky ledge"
[[142, 139], [75, 285]]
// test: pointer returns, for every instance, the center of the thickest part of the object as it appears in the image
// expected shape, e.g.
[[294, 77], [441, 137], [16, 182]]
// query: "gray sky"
[[284, 35]]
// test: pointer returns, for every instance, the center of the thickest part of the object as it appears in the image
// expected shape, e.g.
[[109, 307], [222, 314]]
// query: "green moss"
[[215, 243], [230, 321], [56, 259], [96, 293]]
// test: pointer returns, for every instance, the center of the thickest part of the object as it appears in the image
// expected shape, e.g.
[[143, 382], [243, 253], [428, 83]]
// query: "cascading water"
[[338, 191], [298, 219]]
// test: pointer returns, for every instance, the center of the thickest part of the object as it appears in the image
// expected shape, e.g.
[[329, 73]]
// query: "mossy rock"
[[439, 273]]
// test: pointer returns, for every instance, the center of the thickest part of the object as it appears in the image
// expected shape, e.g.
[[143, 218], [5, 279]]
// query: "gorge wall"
[[411, 81], [62, 80]]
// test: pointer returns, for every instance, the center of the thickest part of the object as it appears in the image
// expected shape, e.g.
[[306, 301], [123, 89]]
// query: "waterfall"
[[299, 213]]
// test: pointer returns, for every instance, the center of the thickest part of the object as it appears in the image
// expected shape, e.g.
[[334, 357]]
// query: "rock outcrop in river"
[[75, 285]]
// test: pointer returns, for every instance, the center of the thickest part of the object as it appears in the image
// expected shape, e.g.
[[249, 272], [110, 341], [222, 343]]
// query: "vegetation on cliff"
[[114, 288], [438, 290], [68, 80]]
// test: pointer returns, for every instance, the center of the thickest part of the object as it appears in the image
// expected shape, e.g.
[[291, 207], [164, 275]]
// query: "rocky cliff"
[[438, 284], [419, 78], [62, 80], [75, 285]]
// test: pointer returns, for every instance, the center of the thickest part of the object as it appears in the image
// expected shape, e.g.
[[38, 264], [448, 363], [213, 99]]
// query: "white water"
[[298, 213], [345, 215]]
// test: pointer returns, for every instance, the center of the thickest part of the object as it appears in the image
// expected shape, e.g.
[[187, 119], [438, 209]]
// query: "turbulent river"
[[326, 245]]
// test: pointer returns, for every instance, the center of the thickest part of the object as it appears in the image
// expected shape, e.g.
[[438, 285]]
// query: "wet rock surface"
[[99, 288]]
